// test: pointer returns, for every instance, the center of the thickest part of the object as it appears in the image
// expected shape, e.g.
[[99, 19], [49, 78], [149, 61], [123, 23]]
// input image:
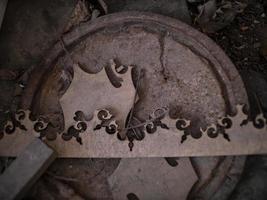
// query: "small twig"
[[146, 122], [200, 13], [104, 6], [62, 178]]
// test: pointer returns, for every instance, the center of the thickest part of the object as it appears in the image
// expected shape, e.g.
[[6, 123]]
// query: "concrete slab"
[[25, 170]]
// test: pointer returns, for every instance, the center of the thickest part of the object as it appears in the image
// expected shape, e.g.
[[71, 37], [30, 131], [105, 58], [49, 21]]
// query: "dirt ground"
[[244, 40], [241, 40]]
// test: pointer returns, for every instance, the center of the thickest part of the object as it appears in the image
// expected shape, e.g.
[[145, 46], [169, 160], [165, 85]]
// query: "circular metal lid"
[[184, 70]]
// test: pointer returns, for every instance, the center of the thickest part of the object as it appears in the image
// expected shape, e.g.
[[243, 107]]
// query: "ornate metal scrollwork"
[[137, 130], [22, 120], [221, 127], [102, 119], [74, 131], [14, 121]]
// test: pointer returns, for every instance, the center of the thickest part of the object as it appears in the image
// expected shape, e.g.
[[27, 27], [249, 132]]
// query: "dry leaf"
[[81, 13], [215, 16]]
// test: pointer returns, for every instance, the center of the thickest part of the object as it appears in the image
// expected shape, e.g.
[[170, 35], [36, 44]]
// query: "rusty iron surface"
[[184, 69]]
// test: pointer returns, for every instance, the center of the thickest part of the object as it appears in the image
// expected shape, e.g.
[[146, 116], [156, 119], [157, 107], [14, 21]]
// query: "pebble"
[[244, 28], [21, 85]]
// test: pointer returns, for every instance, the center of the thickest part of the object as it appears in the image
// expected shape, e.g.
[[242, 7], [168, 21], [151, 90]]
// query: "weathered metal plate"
[[152, 179], [183, 71]]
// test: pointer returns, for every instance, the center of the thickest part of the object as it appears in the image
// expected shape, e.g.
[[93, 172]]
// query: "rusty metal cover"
[[184, 71]]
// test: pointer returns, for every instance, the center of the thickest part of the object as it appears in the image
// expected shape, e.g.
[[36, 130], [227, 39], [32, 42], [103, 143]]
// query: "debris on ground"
[[214, 15], [244, 39], [81, 13], [7, 74]]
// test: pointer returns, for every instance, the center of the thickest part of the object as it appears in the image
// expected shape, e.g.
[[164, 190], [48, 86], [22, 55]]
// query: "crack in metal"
[[164, 70]]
